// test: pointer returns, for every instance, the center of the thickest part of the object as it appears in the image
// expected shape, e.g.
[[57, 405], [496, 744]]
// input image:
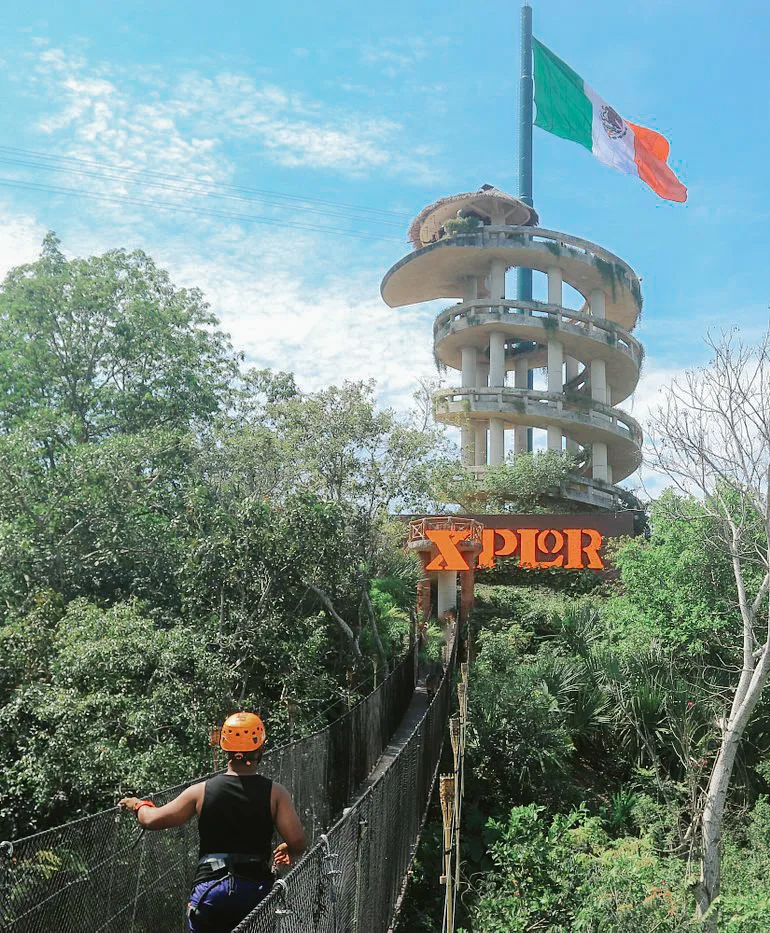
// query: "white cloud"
[[20, 238], [285, 312], [179, 122], [268, 301], [281, 305], [289, 300], [394, 55], [648, 396], [360, 147], [655, 379], [350, 87]]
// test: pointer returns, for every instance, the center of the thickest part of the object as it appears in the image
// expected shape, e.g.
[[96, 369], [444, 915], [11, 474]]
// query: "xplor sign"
[[569, 548]]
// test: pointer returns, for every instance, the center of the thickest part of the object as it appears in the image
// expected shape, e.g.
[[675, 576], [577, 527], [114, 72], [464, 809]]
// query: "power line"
[[205, 212], [72, 165], [188, 190]]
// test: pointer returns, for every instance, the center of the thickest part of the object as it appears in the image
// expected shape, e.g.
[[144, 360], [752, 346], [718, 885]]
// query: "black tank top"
[[236, 816]]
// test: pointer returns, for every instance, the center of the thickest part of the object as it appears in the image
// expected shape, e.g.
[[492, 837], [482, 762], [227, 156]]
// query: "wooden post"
[[447, 797], [454, 735], [462, 697]]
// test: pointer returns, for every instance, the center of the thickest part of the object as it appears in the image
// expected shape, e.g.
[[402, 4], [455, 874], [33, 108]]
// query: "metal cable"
[[374, 863], [80, 877], [71, 164], [197, 211]]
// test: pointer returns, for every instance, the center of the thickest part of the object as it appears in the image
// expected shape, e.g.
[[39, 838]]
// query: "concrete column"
[[497, 280], [555, 353], [555, 380], [497, 216], [599, 385], [555, 364], [598, 300], [599, 394], [572, 368], [468, 355], [467, 446], [599, 381], [480, 427], [447, 591], [608, 391], [521, 374], [599, 458], [496, 359], [497, 441], [554, 439], [480, 443], [554, 285], [471, 290], [521, 381]]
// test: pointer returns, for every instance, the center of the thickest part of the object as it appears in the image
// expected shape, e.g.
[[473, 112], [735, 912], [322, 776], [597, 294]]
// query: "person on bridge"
[[238, 812]]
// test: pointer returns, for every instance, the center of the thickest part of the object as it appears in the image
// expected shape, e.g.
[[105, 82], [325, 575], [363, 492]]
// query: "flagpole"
[[526, 94]]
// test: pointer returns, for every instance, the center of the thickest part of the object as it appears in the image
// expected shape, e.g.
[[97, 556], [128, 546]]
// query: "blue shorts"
[[218, 906]]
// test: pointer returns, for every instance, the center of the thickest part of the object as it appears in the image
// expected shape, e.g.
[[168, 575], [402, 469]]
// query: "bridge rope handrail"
[[42, 874], [175, 789], [354, 880]]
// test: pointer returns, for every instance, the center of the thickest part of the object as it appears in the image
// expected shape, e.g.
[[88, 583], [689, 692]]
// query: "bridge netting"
[[105, 873]]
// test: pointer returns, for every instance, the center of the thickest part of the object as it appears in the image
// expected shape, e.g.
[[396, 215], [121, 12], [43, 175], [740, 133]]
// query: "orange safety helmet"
[[242, 732]]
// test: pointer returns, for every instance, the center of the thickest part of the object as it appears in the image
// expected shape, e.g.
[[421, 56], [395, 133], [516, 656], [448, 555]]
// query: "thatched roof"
[[487, 202]]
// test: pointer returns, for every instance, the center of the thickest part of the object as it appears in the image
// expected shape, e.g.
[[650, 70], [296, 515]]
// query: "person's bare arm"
[[175, 813], [288, 825]]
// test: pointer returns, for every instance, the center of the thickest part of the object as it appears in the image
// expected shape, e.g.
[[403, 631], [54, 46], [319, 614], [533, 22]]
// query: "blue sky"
[[385, 107]]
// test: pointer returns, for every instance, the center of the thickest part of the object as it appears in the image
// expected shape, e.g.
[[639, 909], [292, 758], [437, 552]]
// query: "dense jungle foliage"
[[178, 538], [592, 716]]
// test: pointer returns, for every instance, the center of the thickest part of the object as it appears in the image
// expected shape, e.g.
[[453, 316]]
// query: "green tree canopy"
[[177, 535], [106, 345], [528, 483]]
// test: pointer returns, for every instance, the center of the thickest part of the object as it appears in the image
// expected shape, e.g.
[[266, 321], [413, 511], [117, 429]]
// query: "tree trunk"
[[711, 834], [343, 625], [375, 631], [753, 680]]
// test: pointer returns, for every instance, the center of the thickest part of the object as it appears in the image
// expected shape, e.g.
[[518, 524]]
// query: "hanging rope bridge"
[[361, 786]]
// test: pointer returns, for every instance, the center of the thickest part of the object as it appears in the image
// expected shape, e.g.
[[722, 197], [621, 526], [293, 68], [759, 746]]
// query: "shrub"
[[461, 225], [565, 874]]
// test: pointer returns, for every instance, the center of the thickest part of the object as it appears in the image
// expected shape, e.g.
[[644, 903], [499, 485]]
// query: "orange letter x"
[[448, 557]]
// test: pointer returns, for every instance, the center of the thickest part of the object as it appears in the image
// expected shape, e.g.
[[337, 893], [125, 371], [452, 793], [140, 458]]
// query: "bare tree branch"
[[375, 629], [711, 437], [343, 625]]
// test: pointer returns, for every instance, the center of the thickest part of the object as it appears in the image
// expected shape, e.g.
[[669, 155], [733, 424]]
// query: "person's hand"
[[281, 857], [129, 803]]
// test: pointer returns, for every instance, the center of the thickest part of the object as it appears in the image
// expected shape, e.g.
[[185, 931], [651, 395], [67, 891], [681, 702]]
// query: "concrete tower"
[[463, 246]]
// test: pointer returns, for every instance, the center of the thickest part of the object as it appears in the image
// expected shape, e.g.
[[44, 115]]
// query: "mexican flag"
[[568, 107]]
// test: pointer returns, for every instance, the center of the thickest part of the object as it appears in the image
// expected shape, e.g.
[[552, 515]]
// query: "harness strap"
[[218, 860], [193, 910], [221, 864]]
